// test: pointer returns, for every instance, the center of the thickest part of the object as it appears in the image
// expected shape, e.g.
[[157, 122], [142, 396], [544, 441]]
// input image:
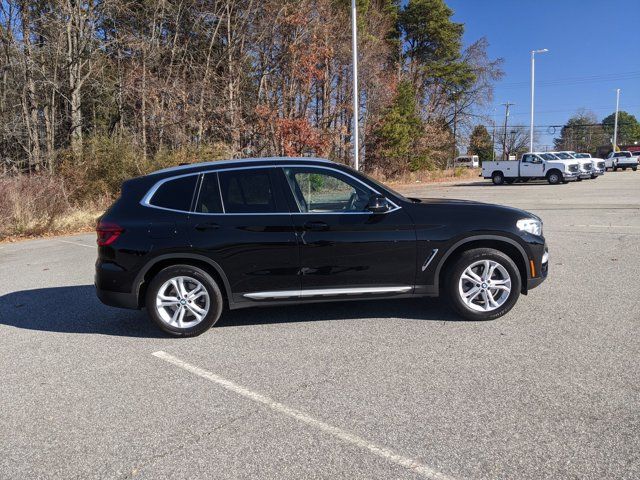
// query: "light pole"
[[615, 123], [356, 98], [533, 77]]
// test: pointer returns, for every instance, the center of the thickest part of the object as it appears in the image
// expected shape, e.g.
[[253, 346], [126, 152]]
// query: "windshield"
[[563, 155], [548, 156], [582, 155]]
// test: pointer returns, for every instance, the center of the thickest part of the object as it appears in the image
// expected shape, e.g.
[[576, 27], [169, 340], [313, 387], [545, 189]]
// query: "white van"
[[469, 161]]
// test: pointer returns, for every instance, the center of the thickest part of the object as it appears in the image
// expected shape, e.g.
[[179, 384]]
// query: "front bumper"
[[542, 269], [585, 175], [570, 176], [597, 173]]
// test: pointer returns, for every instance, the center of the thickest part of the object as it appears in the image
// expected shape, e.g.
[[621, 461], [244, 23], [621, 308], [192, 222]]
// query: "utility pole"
[[505, 156], [615, 124], [356, 97]]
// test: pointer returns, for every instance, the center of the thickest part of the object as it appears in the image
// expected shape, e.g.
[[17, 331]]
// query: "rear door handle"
[[207, 226], [316, 226]]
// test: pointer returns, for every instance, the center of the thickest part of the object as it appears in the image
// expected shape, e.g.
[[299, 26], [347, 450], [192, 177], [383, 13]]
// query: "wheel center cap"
[[484, 285], [183, 302]]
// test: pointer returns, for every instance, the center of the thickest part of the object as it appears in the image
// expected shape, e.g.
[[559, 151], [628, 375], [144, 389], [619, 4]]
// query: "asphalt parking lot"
[[391, 389]]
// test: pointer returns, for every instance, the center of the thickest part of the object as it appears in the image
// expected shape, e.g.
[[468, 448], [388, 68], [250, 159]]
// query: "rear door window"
[[175, 194], [248, 191], [209, 200]]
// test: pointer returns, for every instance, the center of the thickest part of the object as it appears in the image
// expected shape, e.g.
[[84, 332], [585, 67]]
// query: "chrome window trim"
[[149, 195], [145, 202], [325, 292]]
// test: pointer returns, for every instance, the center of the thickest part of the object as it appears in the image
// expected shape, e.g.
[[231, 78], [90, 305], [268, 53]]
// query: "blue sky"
[[594, 48]]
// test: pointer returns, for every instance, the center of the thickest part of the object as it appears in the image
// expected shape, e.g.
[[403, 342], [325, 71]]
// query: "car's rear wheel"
[[184, 301], [497, 178], [483, 284], [634, 168]]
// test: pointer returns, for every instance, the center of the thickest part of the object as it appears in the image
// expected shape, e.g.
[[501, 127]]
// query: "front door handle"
[[316, 226], [201, 227]]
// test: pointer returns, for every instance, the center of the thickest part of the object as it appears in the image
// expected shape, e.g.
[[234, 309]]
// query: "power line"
[[578, 80]]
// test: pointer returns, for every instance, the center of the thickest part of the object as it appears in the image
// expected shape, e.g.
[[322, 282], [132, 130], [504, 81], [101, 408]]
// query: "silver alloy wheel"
[[182, 302], [484, 286]]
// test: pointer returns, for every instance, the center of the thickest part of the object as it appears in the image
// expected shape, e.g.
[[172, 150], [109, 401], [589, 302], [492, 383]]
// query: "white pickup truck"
[[598, 164], [532, 165], [623, 160]]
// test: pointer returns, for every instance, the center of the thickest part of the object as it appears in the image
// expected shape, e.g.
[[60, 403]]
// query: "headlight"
[[530, 225]]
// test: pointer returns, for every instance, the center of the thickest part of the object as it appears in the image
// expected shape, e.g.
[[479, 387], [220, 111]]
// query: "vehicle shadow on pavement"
[[76, 309], [73, 309], [409, 309]]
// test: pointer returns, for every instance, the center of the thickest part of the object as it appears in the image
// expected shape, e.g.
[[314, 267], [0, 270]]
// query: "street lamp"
[[533, 70], [356, 98]]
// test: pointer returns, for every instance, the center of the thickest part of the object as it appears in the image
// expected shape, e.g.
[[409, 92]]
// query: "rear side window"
[[175, 194], [209, 199], [247, 191]]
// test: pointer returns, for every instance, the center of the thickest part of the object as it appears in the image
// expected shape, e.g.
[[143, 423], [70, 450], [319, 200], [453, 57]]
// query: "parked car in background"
[[188, 242], [532, 165], [599, 166], [468, 161], [623, 160], [586, 165]]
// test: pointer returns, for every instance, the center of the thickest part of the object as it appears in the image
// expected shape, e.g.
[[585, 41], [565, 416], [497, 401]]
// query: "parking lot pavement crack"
[[192, 442]]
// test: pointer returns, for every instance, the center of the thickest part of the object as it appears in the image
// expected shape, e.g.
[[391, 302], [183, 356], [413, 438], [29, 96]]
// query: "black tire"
[[615, 169], [634, 168], [554, 177], [216, 301], [624, 169], [454, 274], [593, 177], [578, 179], [497, 178]]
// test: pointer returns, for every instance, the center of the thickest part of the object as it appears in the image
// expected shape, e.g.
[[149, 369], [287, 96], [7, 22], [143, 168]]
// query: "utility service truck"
[[532, 165]]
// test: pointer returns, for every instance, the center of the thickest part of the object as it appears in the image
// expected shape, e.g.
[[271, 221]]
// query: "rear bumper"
[[117, 299]]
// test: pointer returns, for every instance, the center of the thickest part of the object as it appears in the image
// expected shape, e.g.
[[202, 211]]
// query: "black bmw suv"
[[187, 242]]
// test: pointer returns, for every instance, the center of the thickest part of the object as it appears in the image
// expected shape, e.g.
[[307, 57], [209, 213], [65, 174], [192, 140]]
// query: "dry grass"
[[431, 176], [39, 205]]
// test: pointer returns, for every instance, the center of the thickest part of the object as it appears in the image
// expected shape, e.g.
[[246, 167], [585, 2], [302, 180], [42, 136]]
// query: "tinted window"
[[319, 190], [209, 199], [247, 191], [175, 194]]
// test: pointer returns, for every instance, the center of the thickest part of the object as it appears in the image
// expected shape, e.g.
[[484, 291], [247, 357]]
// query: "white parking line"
[[607, 226], [387, 454], [76, 243]]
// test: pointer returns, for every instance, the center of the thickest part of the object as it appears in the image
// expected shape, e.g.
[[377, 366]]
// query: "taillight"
[[108, 233]]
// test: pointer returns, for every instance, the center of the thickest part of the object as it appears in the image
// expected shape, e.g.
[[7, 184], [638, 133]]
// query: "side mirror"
[[378, 203]]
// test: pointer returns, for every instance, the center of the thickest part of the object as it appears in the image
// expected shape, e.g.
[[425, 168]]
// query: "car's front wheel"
[[483, 284], [554, 177], [184, 301]]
